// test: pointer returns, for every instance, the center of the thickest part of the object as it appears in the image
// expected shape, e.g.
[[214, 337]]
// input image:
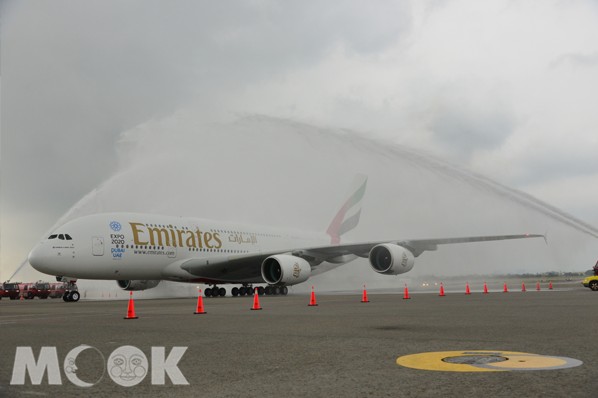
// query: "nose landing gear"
[[71, 294]]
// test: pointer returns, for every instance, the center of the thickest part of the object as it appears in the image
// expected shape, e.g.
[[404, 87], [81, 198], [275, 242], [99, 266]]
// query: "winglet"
[[347, 217]]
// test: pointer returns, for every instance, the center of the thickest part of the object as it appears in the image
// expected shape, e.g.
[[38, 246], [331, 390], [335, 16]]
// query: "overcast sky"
[[507, 89]]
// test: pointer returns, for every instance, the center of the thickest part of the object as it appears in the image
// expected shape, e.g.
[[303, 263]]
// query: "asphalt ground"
[[342, 347]]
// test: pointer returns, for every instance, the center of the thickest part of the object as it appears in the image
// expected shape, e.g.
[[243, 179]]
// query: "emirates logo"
[[296, 270]]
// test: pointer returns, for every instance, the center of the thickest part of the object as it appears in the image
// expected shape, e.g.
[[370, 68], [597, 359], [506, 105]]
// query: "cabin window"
[[68, 237], [61, 237], [53, 236]]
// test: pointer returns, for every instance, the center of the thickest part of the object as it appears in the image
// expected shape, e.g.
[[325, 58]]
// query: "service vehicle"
[[38, 289], [12, 290], [57, 289], [591, 282]]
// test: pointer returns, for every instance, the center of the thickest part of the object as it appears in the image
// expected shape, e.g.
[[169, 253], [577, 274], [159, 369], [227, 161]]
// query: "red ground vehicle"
[[38, 289], [57, 289], [2, 292], [27, 289], [12, 290], [67, 290]]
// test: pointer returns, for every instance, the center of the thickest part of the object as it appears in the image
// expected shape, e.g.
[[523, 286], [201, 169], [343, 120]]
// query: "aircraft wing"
[[416, 246], [247, 267]]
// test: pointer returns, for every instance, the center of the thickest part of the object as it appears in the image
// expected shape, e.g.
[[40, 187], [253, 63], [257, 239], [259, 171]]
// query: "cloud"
[[583, 60], [504, 88]]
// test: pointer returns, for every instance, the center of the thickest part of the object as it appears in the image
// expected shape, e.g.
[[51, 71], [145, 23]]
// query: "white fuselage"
[[122, 246]]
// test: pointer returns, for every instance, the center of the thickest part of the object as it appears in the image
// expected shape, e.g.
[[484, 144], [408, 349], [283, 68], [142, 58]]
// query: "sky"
[[101, 97]]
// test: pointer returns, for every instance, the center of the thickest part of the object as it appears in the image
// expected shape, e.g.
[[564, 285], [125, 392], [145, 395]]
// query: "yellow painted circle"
[[489, 361], [528, 361]]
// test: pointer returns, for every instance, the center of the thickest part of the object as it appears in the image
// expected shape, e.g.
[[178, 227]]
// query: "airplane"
[[140, 250]]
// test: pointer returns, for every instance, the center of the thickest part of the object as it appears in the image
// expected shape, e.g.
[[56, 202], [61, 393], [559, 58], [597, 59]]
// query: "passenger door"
[[97, 246]]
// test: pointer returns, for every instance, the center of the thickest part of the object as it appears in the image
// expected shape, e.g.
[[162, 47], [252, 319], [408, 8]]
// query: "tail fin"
[[347, 217]]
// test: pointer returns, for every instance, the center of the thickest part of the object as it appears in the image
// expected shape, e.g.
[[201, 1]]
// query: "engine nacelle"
[[137, 285], [391, 259], [284, 269]]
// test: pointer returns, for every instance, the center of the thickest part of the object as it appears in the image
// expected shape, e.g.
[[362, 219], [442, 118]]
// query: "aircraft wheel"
[[235, 291], [284, 290], [65, 297], [222, 292], [207, 292], [260, 291], [268, 290], [75, 296]]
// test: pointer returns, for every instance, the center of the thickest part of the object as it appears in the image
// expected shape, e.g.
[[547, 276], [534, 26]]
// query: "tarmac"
[[341, 347]]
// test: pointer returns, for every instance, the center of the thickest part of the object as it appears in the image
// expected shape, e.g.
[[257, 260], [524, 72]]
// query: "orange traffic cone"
[[538, 286], [131, 308], [485, 288], [406, 293], [505, 289], [199, 309], [364, 296], [256, 301], [523, 286], [312, 299], [441, 290], [467, 291], [550, 286]]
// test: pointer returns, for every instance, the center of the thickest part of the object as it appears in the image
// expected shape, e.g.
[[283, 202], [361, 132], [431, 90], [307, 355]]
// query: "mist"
[[269, 171]]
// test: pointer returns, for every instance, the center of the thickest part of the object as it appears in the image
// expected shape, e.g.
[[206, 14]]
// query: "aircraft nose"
[[36, 257]]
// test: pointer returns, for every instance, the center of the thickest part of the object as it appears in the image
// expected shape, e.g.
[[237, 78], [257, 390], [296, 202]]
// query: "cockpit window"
[[61, 237]]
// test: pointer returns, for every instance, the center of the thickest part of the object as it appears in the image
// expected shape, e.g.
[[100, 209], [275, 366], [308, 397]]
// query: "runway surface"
[[340, 348]]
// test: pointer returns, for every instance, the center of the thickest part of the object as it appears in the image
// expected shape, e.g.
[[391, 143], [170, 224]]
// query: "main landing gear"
[[276, 290], [215, 291], [246, 290]]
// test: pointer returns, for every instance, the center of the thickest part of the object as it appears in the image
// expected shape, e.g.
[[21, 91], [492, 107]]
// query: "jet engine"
[[284, 269], [391, 259], [137, 285]]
